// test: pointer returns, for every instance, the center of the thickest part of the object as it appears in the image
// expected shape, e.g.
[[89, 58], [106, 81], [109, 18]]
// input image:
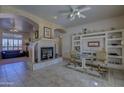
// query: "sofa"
[[12, 54]]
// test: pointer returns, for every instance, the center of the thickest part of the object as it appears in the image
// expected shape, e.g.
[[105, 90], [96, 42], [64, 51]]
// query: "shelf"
[[94, 34], [111, 56], [86, 37], [76, 45], [119, 46], [115, 66], [115, 39], [115, 31], [77, 35], [76, 41]]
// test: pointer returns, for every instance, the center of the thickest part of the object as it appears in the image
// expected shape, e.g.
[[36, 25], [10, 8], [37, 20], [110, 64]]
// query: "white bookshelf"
[[115, 49], [114, 46], [76, 42]]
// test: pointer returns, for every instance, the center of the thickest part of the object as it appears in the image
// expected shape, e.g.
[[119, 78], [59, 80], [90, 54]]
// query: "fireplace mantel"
[[35, 54], [35, 49], [43, 39]]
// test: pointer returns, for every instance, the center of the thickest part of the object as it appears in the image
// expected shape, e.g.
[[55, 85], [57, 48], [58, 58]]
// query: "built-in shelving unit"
[[113, 44], [115, 49], [76, 42]]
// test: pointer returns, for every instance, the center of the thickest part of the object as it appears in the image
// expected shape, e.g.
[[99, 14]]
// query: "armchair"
[[73, 57]]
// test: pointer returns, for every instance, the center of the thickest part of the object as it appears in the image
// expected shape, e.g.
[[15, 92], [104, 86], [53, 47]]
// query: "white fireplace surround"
[[41, 64], [45, 43]]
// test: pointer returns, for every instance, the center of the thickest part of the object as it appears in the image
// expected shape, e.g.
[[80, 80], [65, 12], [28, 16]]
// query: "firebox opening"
[[46, 53]]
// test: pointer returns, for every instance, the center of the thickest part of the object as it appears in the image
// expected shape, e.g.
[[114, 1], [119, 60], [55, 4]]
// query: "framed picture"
[[47, 32], [36, 34], [93, 44]]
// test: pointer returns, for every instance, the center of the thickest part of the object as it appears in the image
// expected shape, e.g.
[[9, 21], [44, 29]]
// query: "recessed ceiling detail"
[[11, 22]]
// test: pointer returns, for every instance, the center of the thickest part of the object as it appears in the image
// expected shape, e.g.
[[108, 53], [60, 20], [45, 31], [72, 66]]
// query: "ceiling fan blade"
[[84, 9], [72, 18], [82, 16]]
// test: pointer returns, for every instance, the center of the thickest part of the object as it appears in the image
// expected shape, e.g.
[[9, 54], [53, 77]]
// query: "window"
[[11, 41], [4, 44]]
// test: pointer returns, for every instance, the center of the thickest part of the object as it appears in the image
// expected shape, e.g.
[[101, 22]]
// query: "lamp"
[[13, 29]]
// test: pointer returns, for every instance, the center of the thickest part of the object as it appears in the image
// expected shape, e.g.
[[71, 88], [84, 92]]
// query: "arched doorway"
[[58, 33], [13, 25]]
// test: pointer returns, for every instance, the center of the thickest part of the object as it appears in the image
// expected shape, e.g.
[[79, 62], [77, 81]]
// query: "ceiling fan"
[[75, 11]]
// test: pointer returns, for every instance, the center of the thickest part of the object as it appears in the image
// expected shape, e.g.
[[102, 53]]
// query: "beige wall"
[[106, 24]]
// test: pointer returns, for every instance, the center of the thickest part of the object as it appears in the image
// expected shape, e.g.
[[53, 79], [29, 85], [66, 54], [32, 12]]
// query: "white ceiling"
[[97, 12]]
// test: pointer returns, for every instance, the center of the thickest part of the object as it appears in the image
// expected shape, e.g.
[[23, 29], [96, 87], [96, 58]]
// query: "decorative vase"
[[84, 30]]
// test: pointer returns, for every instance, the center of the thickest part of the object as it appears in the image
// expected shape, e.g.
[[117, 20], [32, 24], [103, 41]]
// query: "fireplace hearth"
[[46, 53]]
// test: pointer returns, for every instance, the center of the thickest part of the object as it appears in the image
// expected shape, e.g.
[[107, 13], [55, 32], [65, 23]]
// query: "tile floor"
[[13, 60], [18, 75]]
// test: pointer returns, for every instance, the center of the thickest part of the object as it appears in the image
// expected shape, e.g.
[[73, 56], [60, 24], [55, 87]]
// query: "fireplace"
[[46, 53]]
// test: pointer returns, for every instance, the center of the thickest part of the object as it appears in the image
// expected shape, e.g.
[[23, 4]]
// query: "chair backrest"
[[72, 54], [101, 55], [75, 54]]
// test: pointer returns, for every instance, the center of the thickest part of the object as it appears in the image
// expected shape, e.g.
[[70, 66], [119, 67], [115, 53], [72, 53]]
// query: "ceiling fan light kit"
[[13, 30], [76, 12]]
